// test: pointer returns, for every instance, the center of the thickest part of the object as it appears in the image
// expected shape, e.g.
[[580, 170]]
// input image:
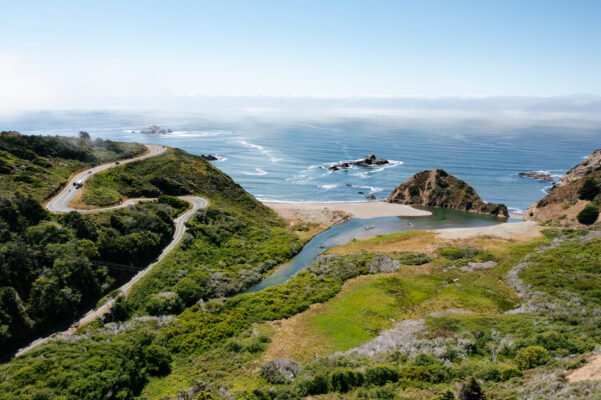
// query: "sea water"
[[288, 161]]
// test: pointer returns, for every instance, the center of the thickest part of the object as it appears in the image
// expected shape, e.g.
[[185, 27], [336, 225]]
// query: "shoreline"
[[353, 209]]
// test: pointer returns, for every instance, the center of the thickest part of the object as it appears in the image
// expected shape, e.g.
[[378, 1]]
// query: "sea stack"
[[438, 188]]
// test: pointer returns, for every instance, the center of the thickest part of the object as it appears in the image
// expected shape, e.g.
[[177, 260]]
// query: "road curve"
[[59, 204]]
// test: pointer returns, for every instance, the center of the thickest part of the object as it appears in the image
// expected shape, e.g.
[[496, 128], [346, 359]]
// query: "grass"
[[369, 304], [413, 240]]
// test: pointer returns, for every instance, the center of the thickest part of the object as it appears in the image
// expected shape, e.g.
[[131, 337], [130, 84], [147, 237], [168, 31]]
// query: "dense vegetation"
[[228, 246], [40, 165], [53, 267]]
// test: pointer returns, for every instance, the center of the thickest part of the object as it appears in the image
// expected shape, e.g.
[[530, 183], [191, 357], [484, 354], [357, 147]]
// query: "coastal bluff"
[[574, 199], [438, 188]]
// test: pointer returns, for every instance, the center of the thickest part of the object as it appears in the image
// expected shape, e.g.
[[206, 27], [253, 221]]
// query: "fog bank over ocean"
[[280, 148]]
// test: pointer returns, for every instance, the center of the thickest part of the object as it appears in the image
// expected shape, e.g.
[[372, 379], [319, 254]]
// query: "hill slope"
[[578, 189], [437, 188]]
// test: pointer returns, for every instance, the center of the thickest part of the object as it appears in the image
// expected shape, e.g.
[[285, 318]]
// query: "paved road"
[[59, 204]]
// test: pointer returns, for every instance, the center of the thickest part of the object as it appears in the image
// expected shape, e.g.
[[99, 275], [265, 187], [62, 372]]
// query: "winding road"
[[60, 204]]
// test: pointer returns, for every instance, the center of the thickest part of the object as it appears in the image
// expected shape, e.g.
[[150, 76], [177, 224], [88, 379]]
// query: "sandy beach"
[[513, 230], [327, 213]]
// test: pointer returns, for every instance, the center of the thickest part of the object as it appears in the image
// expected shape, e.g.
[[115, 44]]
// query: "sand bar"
[[363, 209], [511, 230]]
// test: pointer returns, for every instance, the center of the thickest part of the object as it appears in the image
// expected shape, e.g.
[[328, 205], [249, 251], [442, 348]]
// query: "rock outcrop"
[[437, 188], [155, 130], [579, 187], [540, 176], [369, 160], [591, 164], [209, 157]]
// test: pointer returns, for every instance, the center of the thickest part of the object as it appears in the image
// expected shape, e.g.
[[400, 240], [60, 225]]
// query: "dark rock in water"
[[349, 184], [437, 188], [370, 196], [209, 157], [360, 192], [155, 130], [536, 175], [370, 160], [367, 161]]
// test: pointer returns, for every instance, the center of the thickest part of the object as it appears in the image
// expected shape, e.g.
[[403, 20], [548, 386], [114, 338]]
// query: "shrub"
[[280, 370], [589, 189], [414, 258], [509, 373], [531, 356], [588, 215], [157, 360], [457, 252], [381, 374], [551, 340], [470, 390], [345, 379], [311, 386]]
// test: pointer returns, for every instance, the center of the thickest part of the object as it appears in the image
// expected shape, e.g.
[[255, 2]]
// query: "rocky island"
[[155, 130], [437, 188], [369, 160], [540, 176]]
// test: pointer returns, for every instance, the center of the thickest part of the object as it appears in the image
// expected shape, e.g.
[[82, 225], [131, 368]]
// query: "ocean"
[[287, 161]]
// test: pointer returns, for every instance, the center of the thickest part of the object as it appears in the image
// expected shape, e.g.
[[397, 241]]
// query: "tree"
[[590, 188], [84, 135], [588, 215], [471, 390]]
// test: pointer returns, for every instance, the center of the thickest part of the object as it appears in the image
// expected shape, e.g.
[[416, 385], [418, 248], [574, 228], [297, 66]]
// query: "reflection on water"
[[361, 228]]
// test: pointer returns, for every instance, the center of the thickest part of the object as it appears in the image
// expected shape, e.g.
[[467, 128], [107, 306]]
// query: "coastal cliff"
[[437, 188], [574, 199]]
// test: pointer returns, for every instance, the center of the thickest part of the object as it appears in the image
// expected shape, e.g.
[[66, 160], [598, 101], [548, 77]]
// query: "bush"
[[345, 379], [589, 189], [457, 252], [280, 370], [588, 215], [311, 386], [157, 360], [509, 373], [470, 390], [531, 356], [381, 374], [414, 258]]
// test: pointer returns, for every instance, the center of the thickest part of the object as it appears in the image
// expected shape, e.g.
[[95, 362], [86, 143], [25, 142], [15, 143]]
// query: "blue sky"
[[88, 53]]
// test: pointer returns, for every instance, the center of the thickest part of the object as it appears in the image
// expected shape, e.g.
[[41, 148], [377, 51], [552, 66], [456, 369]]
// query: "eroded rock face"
[[568, 196], [437, 188], [590, 165]]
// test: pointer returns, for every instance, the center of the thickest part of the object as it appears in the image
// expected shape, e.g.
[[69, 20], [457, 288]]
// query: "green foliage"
[[588, 215], [101, 197], [531, 356], [589, 189], [457, 252], [60, 259], [40, 165], [471, 390], [414, 258], [101, 366]]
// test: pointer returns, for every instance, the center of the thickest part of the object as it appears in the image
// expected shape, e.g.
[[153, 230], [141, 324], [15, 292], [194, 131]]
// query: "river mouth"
[[357, 228]]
